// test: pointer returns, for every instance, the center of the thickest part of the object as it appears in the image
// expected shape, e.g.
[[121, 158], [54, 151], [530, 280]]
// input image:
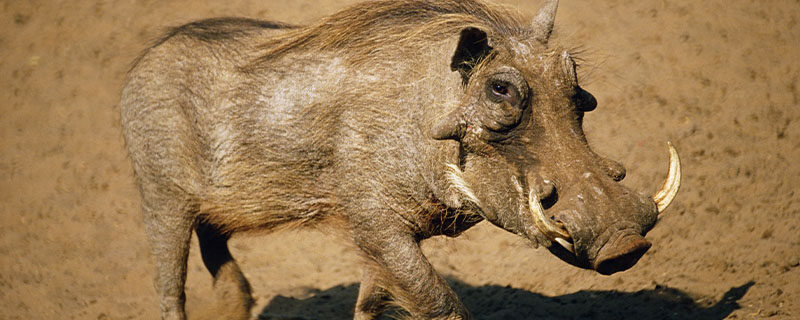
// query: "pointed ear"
[[473, 46], [449, 127], [543, 23]]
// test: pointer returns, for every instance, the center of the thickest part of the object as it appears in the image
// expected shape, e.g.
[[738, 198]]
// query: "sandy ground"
[[718, 78]]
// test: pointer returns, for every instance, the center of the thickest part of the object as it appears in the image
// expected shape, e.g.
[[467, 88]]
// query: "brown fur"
[[366, 30], [237, 125]]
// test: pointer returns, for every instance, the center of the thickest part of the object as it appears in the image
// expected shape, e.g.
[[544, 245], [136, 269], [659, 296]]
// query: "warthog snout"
[[621, 253], [598, 223]]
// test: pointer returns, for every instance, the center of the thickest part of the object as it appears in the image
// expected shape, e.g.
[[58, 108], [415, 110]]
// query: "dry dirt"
[[718, 78]]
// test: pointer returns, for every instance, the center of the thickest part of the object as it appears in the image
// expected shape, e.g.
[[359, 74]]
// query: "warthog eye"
[[499, 91]]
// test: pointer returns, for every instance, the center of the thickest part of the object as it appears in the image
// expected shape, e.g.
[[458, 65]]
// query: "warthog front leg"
[[169, 229], [402, 272], [372, 299], [232, 291]]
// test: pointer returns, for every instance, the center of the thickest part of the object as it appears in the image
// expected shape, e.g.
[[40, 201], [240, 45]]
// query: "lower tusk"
[[664, 196], [550, 229], [565, 244]]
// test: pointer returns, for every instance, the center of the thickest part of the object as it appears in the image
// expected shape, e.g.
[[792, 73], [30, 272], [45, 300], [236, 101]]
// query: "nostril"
[[621, 255]]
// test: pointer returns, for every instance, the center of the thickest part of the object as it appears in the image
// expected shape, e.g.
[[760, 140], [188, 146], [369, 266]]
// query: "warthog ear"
[[473, 46], [543, 23]]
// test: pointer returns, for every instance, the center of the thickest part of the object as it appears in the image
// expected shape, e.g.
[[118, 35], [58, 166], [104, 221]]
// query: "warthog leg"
[[169, 229], [405, 274], [372, 299], [231, 288]]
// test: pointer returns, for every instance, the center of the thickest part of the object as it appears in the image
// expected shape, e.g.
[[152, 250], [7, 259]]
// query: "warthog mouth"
[[620, 253], [624, 251]]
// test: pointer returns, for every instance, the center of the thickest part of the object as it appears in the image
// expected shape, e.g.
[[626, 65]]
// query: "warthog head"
[[525, 162]]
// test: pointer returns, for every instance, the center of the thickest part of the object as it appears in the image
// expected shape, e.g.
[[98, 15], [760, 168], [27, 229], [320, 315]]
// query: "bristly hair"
[[375, 26]]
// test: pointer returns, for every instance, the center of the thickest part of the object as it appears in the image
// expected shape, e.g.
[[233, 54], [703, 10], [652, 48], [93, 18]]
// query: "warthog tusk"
[[552, 230], [566, 245], [664, 196]]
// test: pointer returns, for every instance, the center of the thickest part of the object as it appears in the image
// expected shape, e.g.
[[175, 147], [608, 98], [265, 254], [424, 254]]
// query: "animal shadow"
[[498, 302]]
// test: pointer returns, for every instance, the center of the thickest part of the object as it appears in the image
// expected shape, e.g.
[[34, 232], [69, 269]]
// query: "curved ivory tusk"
[[664, 196], [551, 230]]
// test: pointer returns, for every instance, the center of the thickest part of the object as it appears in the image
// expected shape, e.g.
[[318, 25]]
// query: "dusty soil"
[[718, 78]]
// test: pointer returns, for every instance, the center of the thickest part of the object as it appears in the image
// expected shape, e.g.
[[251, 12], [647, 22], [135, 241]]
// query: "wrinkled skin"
[[394, 121]]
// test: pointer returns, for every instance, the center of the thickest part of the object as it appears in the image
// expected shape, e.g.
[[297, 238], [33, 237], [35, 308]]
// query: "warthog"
[[392, 120]]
